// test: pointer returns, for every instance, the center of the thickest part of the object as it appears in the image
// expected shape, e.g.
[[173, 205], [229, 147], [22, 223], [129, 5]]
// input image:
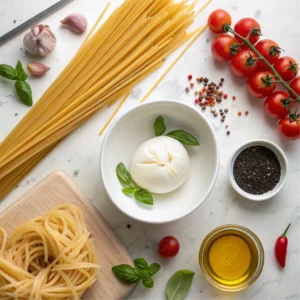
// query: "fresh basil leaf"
[[8, 72], [159, 126], [148, 283], [127, 273], [129, 191], [153, 268], [141, 264], [21, 74], [123, 174], [183, 137], [23, 91], [144, 196], [179, 284]]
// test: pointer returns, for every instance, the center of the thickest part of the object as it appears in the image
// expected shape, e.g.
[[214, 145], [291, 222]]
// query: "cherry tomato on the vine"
[[224, 47], [273, 105], [260, 84], [244, 63], [286, 67], [217, 19], [168, 247], [269, 50], [243, 27], [290, 128], [295, 85]]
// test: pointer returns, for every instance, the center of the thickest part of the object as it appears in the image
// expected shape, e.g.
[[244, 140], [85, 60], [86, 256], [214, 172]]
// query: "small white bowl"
[[283, 164], [134, 127]]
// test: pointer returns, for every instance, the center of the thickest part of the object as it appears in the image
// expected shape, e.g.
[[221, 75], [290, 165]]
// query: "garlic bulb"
[[40, 40], [37, 69], [76, 22]]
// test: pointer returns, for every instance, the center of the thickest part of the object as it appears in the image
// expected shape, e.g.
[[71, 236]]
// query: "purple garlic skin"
[[76, 22], [40, 40], [37, 69]]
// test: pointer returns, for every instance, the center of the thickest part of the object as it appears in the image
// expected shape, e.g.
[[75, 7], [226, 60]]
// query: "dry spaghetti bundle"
[[131, 44], [50, 257]]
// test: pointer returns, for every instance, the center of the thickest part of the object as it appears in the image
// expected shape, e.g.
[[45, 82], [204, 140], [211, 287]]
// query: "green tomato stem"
[[280, 79]]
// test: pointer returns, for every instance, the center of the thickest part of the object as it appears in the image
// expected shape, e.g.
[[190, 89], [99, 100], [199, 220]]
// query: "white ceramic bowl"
[[283, 163], [128, 131]]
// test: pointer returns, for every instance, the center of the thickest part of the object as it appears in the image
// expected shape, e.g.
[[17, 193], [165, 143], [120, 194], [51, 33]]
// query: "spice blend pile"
[[257, 170]]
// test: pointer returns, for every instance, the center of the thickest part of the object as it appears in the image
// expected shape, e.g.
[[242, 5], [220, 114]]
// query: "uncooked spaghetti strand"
[[202, 8], [200, 31]]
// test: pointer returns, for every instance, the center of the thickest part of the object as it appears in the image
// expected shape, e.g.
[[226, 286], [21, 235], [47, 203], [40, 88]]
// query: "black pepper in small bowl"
[[258, 170]]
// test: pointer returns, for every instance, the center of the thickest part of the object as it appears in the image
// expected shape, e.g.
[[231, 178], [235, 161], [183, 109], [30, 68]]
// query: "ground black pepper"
[[257, 170]]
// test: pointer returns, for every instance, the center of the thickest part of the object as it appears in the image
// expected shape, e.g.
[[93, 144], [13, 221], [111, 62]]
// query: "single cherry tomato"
[[260, 84], [273, 105], [224, 47], [295, 85], [168, 247], [269, 50], [217, 19], [243, 27], [244, 63], [286, 67], [290, 128]]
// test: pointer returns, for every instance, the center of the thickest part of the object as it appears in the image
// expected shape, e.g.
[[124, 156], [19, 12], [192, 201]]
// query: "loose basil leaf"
[[129, 191], [21, 74], [127, 273], [153, 268], [141, 264], [179, 284], [148, 283], [23, 91], [8, 72], [159, 126], [183, 137], [144, 196], [123, 175]]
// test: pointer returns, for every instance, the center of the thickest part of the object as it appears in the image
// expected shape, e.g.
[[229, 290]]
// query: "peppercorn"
[[206, 79], [226, 110], [225, 96], [221, 93], [239, 113], [190, 77], [204, 89], [192, 84], [205, 84], [226, 126], [228, 132], [212, 110], [233, 98], [220, 84], [222, 79], [215, 114], [220, 110], [203, 107], [196, 93], [221, 113], [217, 87], [200, 79], [187, 89], [246, 112]]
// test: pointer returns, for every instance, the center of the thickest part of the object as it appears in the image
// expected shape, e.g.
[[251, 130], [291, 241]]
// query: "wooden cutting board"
[[56, 189]]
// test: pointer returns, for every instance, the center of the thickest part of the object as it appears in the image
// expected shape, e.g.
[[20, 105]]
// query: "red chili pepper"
[[281, 248]]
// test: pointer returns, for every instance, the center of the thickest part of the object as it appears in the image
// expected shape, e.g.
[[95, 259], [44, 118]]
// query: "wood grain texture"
[[56, 189]]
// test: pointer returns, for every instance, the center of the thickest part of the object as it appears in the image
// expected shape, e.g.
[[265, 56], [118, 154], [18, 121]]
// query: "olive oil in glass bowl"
[[231, 257]]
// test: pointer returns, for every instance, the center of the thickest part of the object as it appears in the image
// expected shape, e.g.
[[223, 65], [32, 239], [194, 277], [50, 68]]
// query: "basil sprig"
[[179, 284], [180, 135], [159, 126], [142, 272], [23, 89], [131, 188]]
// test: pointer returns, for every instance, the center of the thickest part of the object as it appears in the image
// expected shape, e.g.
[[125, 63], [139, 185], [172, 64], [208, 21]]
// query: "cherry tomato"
[[273, 105], [217, 19], [290, 129], [270, 50], [243, 27], [224, 47], [168, 247], [286, 67], [244, 63], [295, 85], [260, 84]]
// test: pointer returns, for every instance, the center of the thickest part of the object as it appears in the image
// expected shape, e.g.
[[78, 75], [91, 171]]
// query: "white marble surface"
[[80, 151]]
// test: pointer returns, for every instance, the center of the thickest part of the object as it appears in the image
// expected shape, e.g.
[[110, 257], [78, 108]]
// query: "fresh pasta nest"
[[49, 257]]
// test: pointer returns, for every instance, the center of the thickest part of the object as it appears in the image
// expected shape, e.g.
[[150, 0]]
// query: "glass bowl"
[[256, 264]]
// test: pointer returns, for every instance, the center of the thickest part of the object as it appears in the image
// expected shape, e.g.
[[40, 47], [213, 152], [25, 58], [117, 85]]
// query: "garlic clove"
[[40, 40], [37, 69], [76, 22]]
